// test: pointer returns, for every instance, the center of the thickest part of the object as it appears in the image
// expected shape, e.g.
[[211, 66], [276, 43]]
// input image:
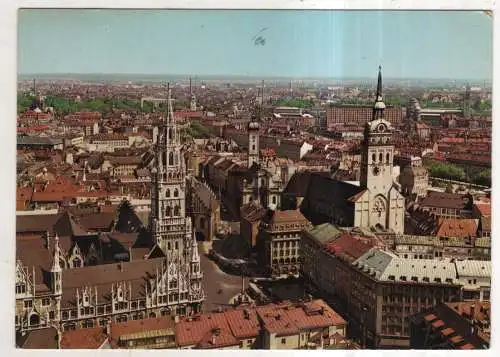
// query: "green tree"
[[447, 171]]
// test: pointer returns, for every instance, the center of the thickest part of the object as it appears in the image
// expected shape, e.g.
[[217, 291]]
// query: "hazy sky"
[[415, 44]]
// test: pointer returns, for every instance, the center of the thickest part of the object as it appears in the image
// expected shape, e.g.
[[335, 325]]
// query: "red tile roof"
[[134, 326], [288, 318], [205, 331], [347, 245], [457, 227], [484, 208], [86, 338]]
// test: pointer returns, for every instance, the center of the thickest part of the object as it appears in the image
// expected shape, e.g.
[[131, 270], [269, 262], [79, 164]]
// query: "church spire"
[[379, 106], [170, 112], [56, 265]]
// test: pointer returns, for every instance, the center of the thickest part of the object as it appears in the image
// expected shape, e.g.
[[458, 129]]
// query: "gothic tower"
[[171, 230], [377, 150]]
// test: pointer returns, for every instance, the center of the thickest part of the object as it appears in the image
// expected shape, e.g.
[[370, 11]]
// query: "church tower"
[[192, 105], [253, 133], [168, 210], [377, 150], [384, 202]]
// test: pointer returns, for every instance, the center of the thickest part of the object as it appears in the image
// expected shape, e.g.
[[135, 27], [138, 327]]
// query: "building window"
[[20, 289], [274, 200], [45, 301], [176, 193], [28, 304], [167, 193], [51, 315], [77, 263], [374, 157], [283, 341], [171, 159]]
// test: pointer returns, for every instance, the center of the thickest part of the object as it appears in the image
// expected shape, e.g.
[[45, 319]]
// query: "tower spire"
[[379, 84], [378, 108], [56, 266], [170, 113]]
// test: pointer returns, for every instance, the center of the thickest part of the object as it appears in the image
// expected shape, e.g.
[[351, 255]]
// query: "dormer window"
[[437, 280], [392, 277]]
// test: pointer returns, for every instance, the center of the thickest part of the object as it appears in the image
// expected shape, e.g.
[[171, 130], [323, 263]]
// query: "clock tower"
[[377, 151]]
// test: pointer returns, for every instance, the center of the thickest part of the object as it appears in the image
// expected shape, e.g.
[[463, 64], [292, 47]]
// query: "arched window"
[[176, 193], [171, 158], [168, 211], [274, 200], [380, 158], [170, 134], [164, 158], [34, 320], [176, 211], [167, 193], [77, 263], [374, 158], [387, 157]]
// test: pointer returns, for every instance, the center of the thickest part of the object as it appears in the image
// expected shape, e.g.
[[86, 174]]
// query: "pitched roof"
[[132, 328], [348, 246], [35, 223], [205, 331], [386, 266], [85, 338], [323, 233], [457, 227], [66, 225], [38, 339], [443, 200]]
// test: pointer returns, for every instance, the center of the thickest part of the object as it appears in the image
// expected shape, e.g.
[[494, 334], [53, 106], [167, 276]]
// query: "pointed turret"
[[56, 271], [56, 265], [379, 106], [195, 257]]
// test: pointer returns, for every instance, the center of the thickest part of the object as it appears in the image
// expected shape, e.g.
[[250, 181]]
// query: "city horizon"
[[265, 43]]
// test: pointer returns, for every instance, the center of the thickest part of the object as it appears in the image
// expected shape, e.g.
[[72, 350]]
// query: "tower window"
[[380, 158], [167, 193], [164, 158], [176, 211], [176, 193], [171, 158], [168, 211], [374, 158], [387, 157], [253, 147]]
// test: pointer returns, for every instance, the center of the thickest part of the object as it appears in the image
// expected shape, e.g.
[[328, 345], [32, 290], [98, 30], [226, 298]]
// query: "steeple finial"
[[379, 84], [378, 108], [170, 113]]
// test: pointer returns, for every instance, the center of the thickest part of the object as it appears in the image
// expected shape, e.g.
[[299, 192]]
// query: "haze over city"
[[300, 44]]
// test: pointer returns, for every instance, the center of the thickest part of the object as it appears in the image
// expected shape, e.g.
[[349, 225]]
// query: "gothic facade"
[[69, 289]]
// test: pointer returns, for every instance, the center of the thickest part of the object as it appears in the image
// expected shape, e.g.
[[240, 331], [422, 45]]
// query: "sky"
[[298, 44]]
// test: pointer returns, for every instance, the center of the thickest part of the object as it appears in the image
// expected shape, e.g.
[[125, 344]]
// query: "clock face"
[[376, 170], [381, 128]]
